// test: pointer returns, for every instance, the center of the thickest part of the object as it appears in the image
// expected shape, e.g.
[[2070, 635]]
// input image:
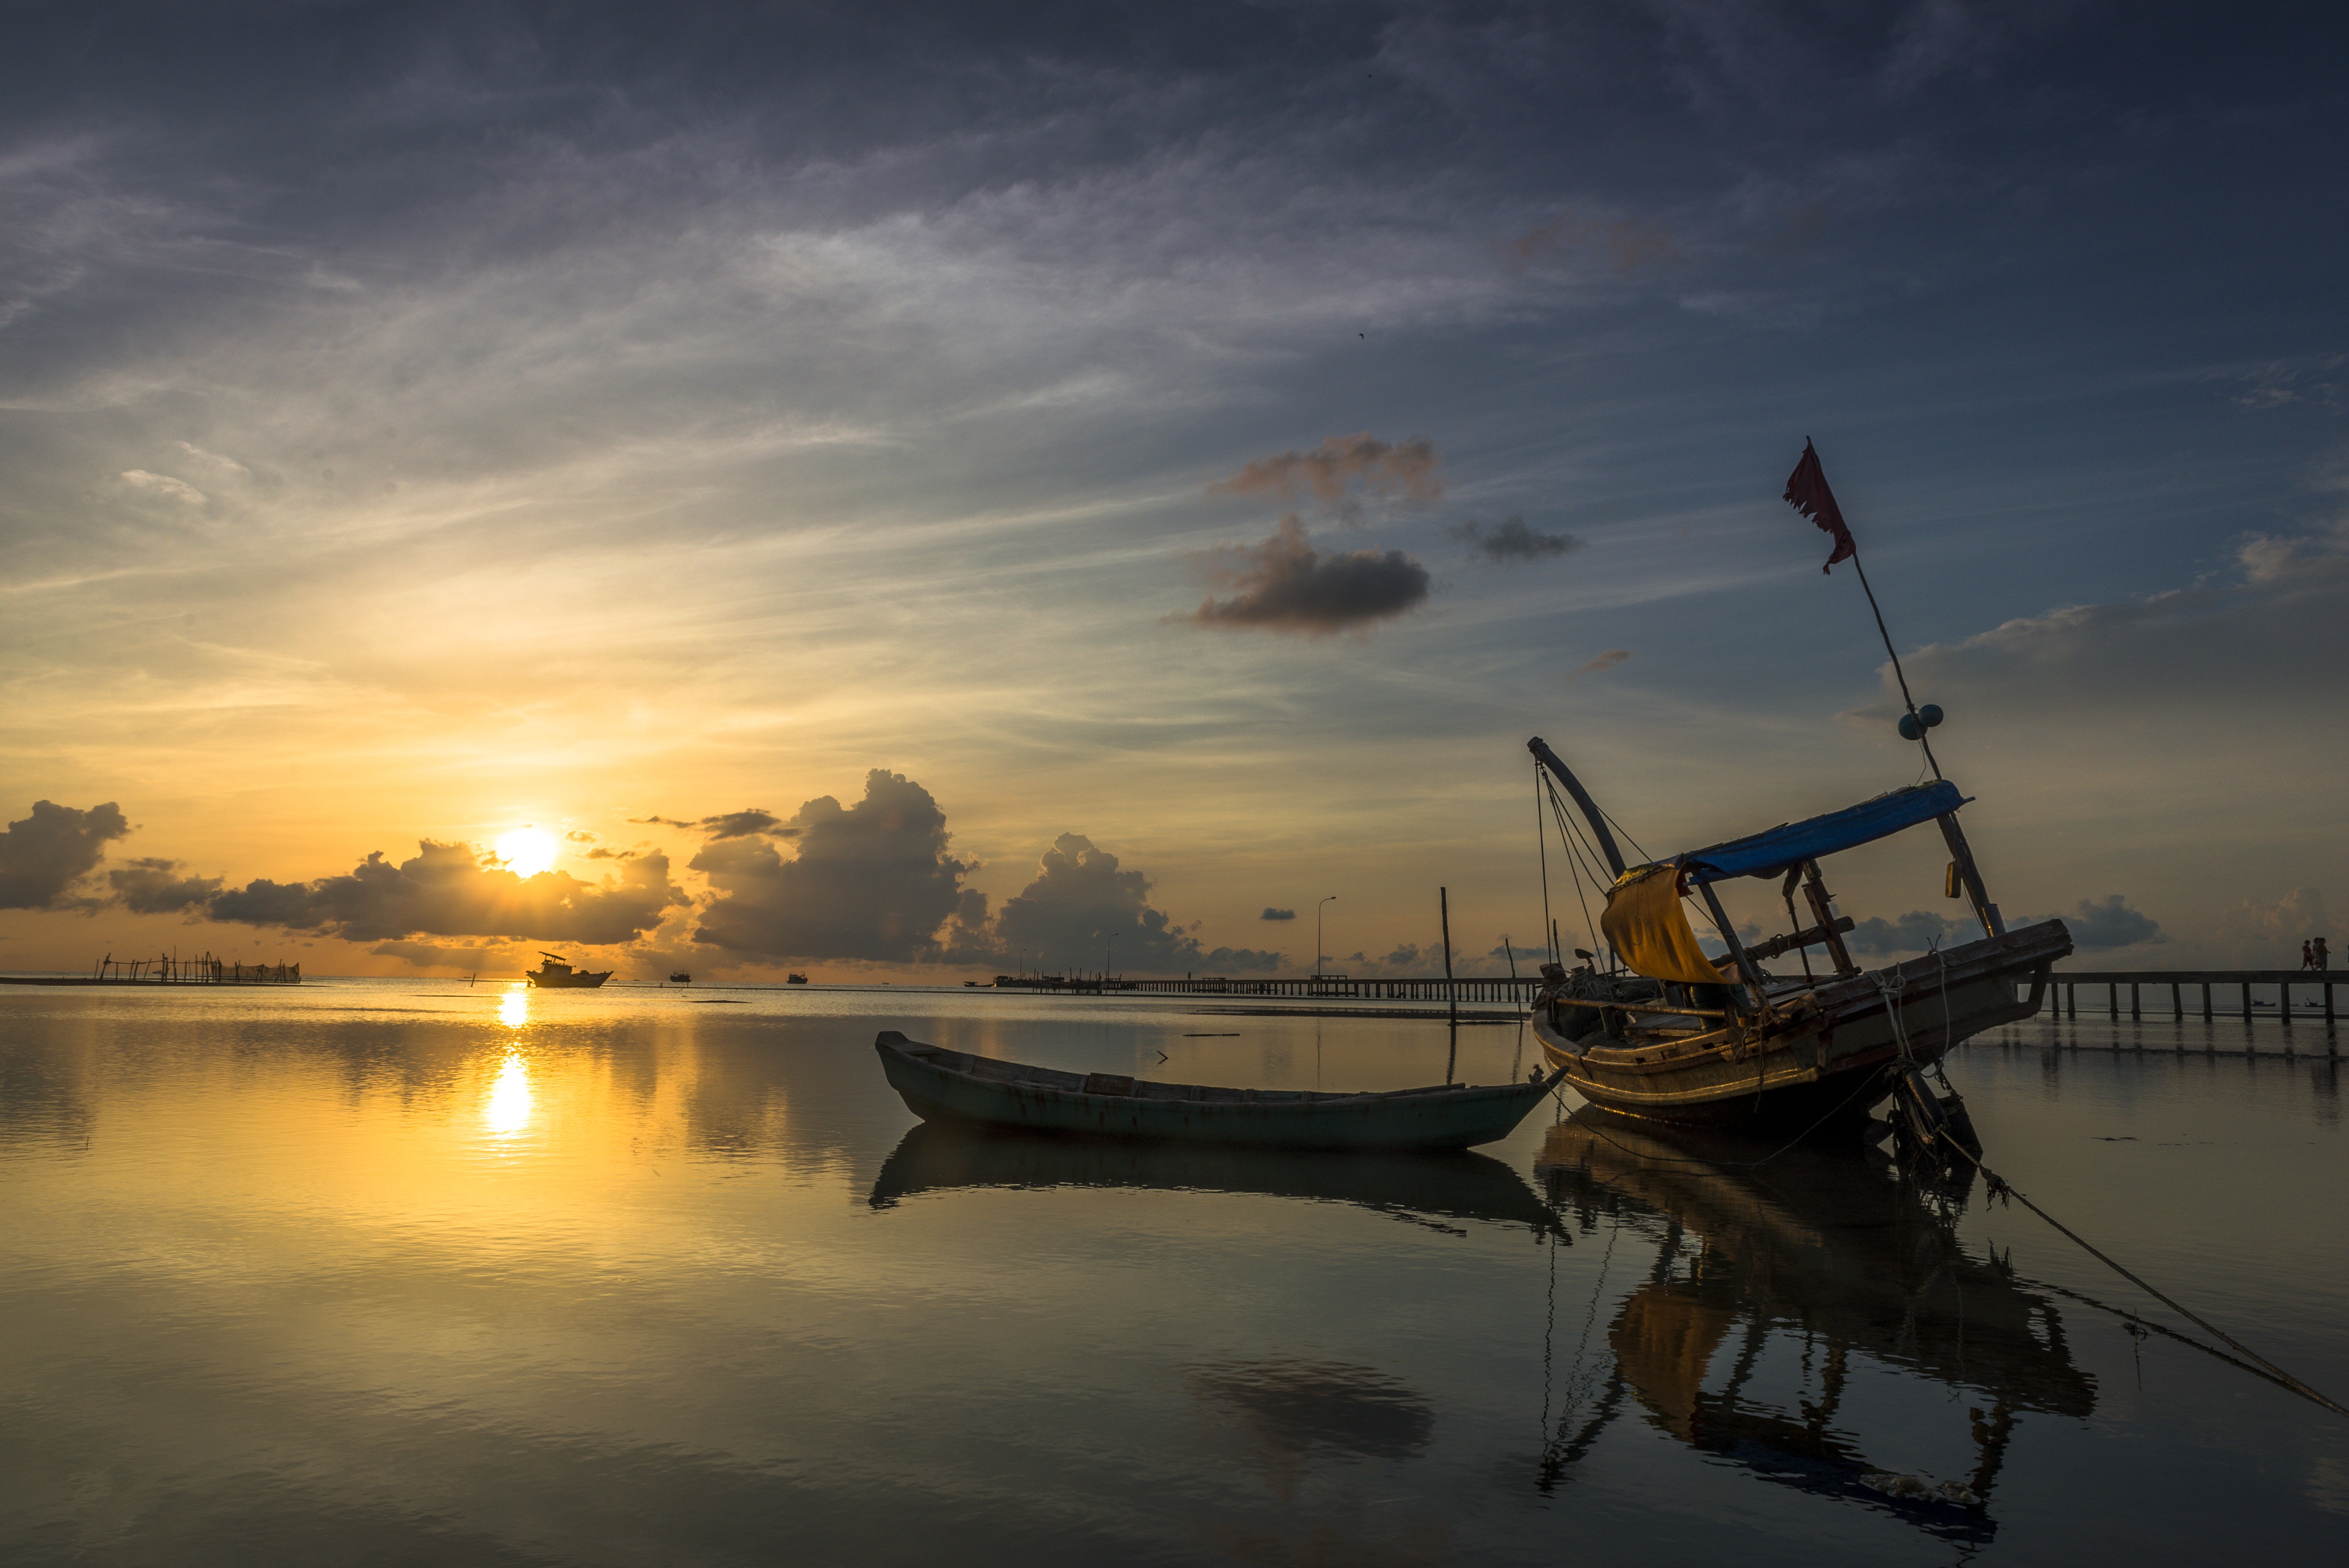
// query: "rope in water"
[[1999, 1185]]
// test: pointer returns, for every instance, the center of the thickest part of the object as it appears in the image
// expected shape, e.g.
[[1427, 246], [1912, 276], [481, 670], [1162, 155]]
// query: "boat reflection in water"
[[937, 1156], [1821, 1262]]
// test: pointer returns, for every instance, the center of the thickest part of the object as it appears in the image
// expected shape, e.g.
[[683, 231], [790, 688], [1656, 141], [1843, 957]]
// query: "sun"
[[526, 851]]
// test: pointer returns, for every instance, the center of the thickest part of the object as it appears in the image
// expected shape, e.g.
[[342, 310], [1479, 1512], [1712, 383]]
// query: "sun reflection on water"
[[513, 1008], [508, 1111]]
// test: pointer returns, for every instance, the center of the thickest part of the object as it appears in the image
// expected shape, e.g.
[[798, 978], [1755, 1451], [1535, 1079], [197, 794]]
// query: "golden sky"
[[1134, 485]]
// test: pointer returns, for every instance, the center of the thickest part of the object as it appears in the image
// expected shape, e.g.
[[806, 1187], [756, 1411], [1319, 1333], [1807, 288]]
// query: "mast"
[[1597, 818]]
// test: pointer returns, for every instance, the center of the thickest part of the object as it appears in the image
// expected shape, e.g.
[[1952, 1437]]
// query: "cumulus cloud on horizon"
[[449, 890], [1081, 897], [874, 880], [1284, 585], [42, 854]]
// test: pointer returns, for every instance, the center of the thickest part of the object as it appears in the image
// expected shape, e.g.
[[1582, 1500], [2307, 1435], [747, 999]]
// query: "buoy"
[[1910, 729]]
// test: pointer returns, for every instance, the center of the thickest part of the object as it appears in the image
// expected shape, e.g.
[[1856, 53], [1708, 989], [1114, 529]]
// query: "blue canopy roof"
[[1769, 854]]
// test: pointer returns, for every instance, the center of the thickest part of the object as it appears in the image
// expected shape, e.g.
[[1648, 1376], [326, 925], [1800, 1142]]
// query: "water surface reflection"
[[1771, 1289], [935, 1157]]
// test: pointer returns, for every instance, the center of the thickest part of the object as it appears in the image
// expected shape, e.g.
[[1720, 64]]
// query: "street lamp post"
[[1317, 935]]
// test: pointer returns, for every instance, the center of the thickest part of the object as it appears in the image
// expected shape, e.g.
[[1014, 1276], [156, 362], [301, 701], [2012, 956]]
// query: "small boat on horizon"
[[795, 979], [942, 1085], [555, 973]]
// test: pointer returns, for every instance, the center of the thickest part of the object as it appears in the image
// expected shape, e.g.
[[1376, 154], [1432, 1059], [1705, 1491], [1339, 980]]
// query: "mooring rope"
[[1999, 1186]]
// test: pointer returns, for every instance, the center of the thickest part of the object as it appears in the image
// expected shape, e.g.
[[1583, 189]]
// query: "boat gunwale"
[[895, 1041]]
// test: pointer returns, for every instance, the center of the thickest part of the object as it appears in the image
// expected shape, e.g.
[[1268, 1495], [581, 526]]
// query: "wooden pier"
[[1342, 988], [2218, 993]]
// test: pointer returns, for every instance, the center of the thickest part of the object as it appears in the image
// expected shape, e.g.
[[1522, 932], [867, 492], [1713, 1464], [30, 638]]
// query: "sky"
[[905, 492]]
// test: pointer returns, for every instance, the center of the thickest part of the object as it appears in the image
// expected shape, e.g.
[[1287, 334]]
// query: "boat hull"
[[940, 1085], [568, 982], [1825, 1062]]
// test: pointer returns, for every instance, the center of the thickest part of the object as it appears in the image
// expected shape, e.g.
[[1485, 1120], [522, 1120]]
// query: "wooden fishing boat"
[[555, 973], [938, 1084], [1665, 1033]]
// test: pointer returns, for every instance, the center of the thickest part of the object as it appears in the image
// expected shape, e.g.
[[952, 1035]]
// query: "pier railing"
[[2199, 993], [1339, 987]]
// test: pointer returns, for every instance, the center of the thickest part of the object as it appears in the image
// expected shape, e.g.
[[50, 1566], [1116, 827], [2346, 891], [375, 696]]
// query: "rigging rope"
[[2001, 1186], [1541, 842]]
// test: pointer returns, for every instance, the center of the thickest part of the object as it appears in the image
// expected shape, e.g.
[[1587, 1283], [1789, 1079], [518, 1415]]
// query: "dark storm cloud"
[[156, 887], [1081, 897], [1285, 585], [873, 880], [42, 854], [456, 890], [1408, 467], [1511, 540], [1272, 914]]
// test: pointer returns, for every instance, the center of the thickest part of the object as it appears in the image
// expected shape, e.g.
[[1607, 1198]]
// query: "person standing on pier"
[[2323, 958], [2308, 955]]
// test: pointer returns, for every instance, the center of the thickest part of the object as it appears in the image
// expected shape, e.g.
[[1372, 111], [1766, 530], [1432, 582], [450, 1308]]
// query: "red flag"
[[1808, 492]]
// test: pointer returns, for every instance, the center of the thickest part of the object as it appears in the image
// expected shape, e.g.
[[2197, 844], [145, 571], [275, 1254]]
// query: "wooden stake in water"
[[1451, 986]]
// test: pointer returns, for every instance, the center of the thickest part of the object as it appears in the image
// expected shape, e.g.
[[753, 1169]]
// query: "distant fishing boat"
[[555, 973], [680, 978], [795, 980], [1703, 1041], [939, 1085]]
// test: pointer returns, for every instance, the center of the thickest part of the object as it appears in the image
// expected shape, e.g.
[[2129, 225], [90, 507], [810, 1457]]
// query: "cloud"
[[42, 854], [1913, 932], [1629, 242], [1604, 662], [1411, 468], [2109, 924], [1284, 585], [1272, 914], [154, 886], [456, 890], [1408, 960], [2093, 925], [1081, 897], [433, 955], [873, 880], [1511, 540], [731, 825], [2223, 647], [162, 484], [2267, 935]]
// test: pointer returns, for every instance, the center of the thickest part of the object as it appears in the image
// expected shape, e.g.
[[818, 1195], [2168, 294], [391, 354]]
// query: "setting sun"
[[527, 851]]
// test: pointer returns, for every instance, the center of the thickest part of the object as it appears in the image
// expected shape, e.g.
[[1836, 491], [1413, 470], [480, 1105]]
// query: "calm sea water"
[[407, 1272]]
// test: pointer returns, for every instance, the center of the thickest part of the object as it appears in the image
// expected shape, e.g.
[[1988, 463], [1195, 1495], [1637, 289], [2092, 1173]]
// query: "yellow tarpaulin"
[[1645, 925]]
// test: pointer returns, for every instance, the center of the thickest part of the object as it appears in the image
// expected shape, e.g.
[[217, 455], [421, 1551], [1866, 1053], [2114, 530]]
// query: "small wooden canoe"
[[938, 1084]]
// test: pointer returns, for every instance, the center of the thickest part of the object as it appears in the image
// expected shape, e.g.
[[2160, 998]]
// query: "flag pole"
[[1808, 494], [1897, 674]]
